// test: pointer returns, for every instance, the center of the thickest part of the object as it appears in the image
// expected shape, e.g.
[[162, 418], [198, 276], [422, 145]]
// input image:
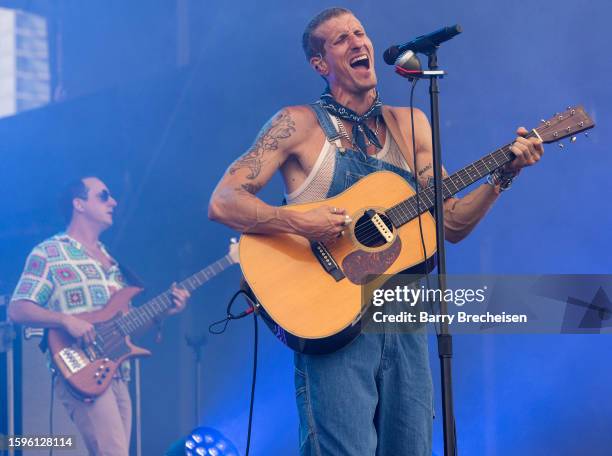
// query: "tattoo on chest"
[[281, 127], [424, 170]]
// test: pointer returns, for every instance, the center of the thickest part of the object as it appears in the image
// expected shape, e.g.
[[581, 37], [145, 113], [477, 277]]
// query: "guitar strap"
[[130, 276]]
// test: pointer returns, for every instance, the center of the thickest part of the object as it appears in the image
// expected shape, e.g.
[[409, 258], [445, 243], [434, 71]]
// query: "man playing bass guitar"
[[71, 273]]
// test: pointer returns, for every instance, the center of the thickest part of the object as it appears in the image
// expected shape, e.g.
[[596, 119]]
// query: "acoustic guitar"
[[89, 369], [309, 293]]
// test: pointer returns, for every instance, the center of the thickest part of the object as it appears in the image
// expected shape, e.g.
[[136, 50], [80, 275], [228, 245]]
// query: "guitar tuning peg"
[[586, 134], [561, 146], [569, 107], [233, 240], [543, 120], [573, 139]]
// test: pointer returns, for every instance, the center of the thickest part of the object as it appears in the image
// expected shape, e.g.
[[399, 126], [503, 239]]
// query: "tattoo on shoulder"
[[281, 127]]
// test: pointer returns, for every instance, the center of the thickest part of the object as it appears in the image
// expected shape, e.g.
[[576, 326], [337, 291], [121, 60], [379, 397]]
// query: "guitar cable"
[[53, 376], [244, 290], [418, 200]]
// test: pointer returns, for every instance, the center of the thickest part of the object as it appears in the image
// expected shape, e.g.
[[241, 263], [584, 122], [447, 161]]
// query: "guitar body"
[[310, 295], [89, 370], [305, 306]]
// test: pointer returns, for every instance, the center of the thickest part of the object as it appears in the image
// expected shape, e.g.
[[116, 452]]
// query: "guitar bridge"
[[72, 359], [327, 260]]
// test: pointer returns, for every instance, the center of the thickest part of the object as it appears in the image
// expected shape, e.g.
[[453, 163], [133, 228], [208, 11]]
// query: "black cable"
[[225, 321], [53, 376], [417, 186], [248, 445], [229, 315]]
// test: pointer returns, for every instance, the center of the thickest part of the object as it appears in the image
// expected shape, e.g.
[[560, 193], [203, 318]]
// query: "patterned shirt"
[[60, 276]]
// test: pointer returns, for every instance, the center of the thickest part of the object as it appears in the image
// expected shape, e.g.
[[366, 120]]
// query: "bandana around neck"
[[360, 129]]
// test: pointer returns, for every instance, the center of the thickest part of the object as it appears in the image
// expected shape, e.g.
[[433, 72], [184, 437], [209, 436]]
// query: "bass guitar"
[[310, 293], [89, 369]]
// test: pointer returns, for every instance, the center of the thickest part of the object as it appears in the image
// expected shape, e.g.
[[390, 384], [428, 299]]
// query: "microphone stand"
[[196, 344], [445, 342]]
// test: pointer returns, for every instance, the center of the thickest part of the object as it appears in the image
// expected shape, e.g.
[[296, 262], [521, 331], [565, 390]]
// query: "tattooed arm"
[[234, 203], [461, 215]]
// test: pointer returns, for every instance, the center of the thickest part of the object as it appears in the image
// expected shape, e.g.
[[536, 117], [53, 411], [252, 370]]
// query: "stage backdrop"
[[158, 98]]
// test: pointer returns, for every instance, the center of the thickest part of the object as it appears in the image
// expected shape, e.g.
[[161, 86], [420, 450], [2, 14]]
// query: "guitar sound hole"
[[366, 232]]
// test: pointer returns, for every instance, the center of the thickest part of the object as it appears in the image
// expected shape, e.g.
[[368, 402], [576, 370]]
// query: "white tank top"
[[317, 184]]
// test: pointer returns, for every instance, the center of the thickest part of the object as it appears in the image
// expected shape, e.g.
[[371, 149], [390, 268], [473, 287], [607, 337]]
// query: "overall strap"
[[325, 122]]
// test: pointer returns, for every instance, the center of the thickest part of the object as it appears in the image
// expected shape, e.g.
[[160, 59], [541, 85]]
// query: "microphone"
[[423, 43]]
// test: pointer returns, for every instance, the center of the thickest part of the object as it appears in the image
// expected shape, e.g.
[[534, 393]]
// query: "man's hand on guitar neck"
[[528, 152], [179, 297]]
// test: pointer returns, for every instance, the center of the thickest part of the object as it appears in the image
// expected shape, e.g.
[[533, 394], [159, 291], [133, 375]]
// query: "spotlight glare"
[[196, 437], [205, 441]]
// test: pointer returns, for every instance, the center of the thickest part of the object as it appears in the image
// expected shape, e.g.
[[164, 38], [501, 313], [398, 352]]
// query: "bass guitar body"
[[89, 370]]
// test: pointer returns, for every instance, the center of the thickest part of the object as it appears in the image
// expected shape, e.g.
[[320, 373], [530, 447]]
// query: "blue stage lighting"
[[205, 441]]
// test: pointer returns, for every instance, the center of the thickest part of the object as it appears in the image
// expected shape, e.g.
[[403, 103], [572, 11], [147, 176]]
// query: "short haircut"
[[74, 189], [313, 44]]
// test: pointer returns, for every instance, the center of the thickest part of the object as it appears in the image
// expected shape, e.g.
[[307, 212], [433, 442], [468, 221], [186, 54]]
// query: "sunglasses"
[[104, 196]]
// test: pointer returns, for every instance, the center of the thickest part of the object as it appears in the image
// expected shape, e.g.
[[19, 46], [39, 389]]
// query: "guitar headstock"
[[233, 251], [568, 123]]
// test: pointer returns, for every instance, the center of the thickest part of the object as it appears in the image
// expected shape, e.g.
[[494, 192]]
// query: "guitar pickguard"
[[358, 265]]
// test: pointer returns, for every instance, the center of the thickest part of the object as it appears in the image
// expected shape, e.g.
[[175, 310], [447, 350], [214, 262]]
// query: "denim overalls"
[[374, 396]]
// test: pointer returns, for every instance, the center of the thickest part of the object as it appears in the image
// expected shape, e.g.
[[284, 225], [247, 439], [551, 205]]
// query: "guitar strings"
[[110, 345], [137, 317], [370, 232], [111, 337], [411, 210]]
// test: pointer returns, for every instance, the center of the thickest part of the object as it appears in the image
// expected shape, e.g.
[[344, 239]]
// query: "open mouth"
[[360, 61]]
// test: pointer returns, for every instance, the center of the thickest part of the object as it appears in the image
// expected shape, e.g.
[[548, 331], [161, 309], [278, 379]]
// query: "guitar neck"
[[142, 316], [409, 209]]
